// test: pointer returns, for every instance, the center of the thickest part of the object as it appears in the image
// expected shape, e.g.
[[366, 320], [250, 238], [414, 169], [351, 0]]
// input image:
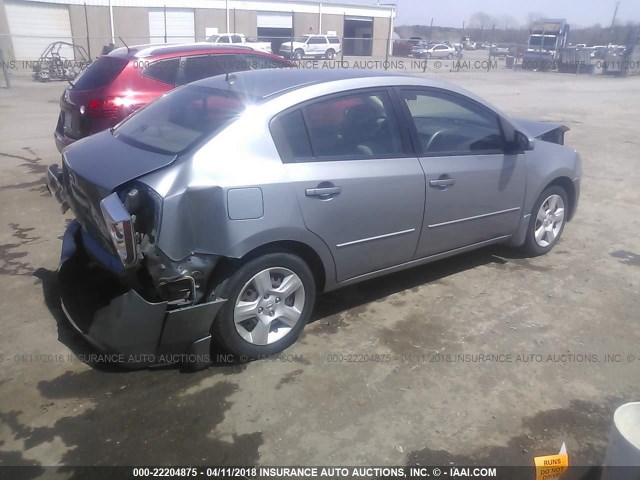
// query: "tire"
[[330, 54], [298, 54], [545, 214], [450, 56], [263, 331], [427, 55]]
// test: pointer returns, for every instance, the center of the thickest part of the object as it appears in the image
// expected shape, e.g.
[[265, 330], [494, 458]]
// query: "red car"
[[128, 78]]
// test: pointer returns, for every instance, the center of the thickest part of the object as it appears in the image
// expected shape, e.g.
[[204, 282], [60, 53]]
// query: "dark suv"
[[128, 78]]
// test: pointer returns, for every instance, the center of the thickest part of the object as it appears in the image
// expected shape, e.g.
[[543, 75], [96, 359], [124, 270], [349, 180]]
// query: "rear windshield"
[[180, 119], [100, 73]]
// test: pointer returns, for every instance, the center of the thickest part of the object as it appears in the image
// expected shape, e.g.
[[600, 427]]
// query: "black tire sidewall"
[[223, 327], [329, 54], [530, 244]]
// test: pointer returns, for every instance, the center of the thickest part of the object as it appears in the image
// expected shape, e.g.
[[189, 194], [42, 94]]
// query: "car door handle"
[[322, 191], [442, 182]]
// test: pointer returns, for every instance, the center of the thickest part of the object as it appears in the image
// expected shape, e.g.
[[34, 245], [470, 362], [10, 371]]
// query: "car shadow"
[[353, 296]]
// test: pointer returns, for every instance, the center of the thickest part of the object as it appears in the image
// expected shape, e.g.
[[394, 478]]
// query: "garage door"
[[180, 25], [35, 25], [274, 20], [275, 25]]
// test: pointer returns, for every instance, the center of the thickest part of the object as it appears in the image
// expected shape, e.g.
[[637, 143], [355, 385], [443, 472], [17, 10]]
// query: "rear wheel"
[[269, 301], [330, 54], [450, 56], [548, 218]]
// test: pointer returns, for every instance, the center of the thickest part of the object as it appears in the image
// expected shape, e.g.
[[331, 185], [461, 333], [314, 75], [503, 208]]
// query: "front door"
[[474, 190]]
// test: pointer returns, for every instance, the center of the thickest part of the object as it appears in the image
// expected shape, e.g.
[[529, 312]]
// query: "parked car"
[[401, 48], [470, 46], [222, 208], [499, 50], [128, 78], [318, 46], [437, 50], [236, 39]]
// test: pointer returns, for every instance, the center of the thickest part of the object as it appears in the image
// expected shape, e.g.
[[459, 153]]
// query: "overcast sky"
[[452, 13]]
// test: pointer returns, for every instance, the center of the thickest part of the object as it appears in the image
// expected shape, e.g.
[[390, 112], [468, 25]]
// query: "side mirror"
[[523, 142], [520, 143]]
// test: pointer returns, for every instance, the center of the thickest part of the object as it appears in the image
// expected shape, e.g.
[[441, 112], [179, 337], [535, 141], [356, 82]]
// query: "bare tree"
[[481, 20], [506, 22], [531, 18]]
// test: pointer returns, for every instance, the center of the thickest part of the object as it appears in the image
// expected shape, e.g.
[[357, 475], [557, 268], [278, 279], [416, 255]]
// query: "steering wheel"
[[439, 134]]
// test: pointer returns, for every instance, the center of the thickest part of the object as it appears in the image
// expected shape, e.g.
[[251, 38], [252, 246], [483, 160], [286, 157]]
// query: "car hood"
[[537, 128], [108, 162]]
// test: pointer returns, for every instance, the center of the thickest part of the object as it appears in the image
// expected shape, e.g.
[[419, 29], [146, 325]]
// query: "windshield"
[[548, 42], [177, 121], [213, 38]]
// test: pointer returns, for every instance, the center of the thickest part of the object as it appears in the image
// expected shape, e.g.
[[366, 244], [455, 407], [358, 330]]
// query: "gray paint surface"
[[385, 216]]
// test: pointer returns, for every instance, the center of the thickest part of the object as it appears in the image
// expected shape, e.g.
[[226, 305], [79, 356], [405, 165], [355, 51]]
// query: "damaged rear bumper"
[[119, 321]]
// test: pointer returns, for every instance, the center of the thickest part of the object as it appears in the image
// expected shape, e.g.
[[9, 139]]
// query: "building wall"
[[244, 21], [209, 18], [304, 23], [5, 40], [99, 28], [380, 36], [334, 23], [132, 24]]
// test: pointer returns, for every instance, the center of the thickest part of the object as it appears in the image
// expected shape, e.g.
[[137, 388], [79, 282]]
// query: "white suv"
[[312, 46]]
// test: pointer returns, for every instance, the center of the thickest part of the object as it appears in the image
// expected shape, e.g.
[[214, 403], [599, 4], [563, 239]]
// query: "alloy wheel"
[[549, 220], [269, 305]]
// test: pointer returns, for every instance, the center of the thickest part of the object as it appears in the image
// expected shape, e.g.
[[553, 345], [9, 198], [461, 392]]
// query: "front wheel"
[[548, 218], [298, 54], [269, 301]]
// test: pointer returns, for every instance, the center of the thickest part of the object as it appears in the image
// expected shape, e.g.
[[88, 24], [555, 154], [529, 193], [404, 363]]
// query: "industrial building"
[[27, 26]]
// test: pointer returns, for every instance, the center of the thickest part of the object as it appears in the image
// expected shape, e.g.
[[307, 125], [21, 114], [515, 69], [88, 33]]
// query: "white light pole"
[[113, 35]]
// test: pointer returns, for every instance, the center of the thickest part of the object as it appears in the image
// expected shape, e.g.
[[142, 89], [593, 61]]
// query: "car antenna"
[[128, 49]]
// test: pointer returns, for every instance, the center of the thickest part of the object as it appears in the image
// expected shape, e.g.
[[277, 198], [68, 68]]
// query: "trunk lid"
[[107, 162], [93, 168]]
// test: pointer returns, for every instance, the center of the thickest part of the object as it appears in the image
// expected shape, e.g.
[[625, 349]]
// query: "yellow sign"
[[551, 467]]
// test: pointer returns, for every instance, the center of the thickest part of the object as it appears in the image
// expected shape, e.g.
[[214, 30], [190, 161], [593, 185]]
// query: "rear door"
[[359, 186], [474, 190]]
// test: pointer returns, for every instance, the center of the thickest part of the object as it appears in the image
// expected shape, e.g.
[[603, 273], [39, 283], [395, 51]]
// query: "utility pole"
[[613, 22]]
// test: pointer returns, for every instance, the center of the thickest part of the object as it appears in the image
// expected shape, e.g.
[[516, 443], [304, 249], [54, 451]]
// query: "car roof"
[[261, 84], [156, 50]]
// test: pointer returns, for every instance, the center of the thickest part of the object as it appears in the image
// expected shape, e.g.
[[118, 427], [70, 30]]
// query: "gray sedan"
[[223, 208]]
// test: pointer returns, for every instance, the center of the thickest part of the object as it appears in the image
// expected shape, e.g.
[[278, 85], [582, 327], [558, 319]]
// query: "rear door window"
[[347, 127], [100, 73]]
